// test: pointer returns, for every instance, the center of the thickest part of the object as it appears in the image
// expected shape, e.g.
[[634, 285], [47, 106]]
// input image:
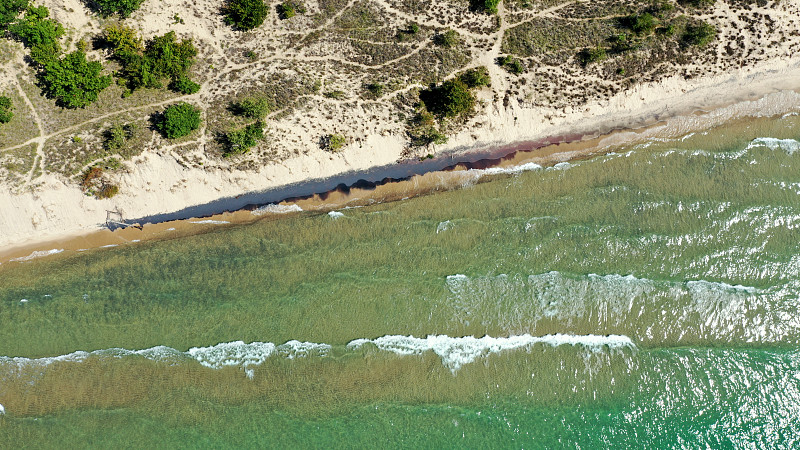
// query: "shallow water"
[[646, 297]]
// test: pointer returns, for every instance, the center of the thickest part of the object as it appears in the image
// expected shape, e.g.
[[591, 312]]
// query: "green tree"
[[169, 57], [72, 80], [122, 7], [246, 14], [9, 10], [124, 41], [242, 140], [178, 120], [487, 6], [6, 108], [450, 99], [148, 65], [39, 33]]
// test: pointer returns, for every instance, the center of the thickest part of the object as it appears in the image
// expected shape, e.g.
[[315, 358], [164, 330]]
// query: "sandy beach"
[[159, 186]]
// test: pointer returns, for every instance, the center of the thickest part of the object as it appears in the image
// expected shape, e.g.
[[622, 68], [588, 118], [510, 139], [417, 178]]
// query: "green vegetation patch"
[[147, 65], [73, 81], [6, 110], [449, 99], [424, 129], [245, 14], [511, 64], [9, 10], [116, 136], [252, 107], [178, 120], [700, 34], [475, 78], [39, 33], [485, 6], [546, 35], [124, 8], [333, 142], [289, 9], [242, 140]]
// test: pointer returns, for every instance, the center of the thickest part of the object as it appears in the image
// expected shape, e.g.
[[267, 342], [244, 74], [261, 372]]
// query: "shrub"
[[246, 14], [592, 55], [107, 191], [73, 81], [412, 28], [254, 107], [9, 10], [6, 108], [147, 65], [698, 3], [116, 136], [641, 23], [423, 130], [375, 89], [699, 35], [477, 77], [335, 142], [289, 9], [511, 64], [448, 39], [122, 7], [91, 177], [39, 33], [125, 43], [336, 95], [450, 99], [487, 6], [178, 120], [184, 85], [168, 57], [242, 140]]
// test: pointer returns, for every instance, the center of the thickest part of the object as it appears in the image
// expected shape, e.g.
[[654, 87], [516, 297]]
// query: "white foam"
[[562, 166], [109, 246], [509, 170], [789, 145], [276, 209], [296, 349], [335, 214], [444, 226], [39, 254], [211, 222], [458, 351]]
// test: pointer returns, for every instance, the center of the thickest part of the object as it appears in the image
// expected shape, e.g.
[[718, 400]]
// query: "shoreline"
[[770, 91]]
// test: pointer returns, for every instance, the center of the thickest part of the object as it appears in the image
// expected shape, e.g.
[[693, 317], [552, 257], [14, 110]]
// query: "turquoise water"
[[645, 298]]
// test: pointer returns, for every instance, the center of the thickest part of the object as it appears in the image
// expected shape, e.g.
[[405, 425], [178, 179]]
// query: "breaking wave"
[[454, 352]]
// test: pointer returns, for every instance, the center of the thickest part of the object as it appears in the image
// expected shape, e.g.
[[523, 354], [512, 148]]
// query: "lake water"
[[644, 298]]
